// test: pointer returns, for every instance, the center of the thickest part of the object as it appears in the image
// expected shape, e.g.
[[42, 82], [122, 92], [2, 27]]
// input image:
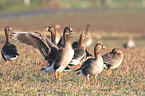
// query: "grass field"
[[25, 77]]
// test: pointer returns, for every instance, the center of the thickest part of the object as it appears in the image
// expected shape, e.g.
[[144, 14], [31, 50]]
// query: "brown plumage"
[[93, 66], [58, 58], [80, 54], [113, 59], [63, 58], [53, 34], [9, 50]]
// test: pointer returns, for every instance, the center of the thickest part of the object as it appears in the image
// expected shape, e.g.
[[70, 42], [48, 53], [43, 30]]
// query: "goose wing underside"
[[38, 41]]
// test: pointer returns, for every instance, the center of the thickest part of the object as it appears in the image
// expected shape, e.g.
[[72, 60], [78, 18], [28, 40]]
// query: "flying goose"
[[9, 50], [112, 59], [93, 66]]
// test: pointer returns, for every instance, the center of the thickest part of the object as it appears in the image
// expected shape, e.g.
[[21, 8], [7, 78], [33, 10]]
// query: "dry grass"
[[25, 76]]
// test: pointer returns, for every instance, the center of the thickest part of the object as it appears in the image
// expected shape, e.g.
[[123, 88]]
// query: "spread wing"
[[38, 41]]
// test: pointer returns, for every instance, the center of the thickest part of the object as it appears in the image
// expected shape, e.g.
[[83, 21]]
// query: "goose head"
[[68, 30], [7, 33], [98, 47], [117, 52], [50, 29]]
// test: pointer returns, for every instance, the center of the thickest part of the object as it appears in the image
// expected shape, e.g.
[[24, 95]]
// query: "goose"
[[9, 50], [80, 54], [93, 66], [48, 50], [112, 59], [43, 45], [63, 58], [53, 34], [130, 43], [88, 39]]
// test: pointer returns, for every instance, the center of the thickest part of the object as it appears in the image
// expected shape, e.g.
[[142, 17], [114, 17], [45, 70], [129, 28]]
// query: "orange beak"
[[45, 30]]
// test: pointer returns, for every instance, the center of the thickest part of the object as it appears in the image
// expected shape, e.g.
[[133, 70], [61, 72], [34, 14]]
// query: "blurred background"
[[108, 19]]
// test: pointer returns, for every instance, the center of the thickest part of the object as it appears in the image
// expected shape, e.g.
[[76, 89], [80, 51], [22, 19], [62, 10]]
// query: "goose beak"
[[45, 30], [104, 47]]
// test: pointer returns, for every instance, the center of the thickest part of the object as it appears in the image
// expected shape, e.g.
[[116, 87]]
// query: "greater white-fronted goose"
[[80, 54], [53, 34], [88, 39], [43, 45], [9, 50], [130, 43], [63, 58], [112, 59], [93, 66], [48, 50]]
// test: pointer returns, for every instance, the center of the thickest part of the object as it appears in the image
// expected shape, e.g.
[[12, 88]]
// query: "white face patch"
[[10, 28], [71, 29], [47, 28]]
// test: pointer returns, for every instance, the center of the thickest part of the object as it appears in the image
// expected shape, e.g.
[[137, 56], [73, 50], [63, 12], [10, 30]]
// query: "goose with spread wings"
[[47, 49]]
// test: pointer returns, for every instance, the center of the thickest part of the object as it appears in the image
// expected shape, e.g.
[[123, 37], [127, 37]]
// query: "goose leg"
[[13, 62], [88, 79], [59, 74], [5, 62], [95, 78], [55, 75], [109, 72]]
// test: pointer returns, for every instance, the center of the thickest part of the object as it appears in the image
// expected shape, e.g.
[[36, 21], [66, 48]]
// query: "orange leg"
[[88, 79], [109, 72], [5, 62], [13, 62], [95, 78], [80, 65], [55, 75], [59, 74]]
